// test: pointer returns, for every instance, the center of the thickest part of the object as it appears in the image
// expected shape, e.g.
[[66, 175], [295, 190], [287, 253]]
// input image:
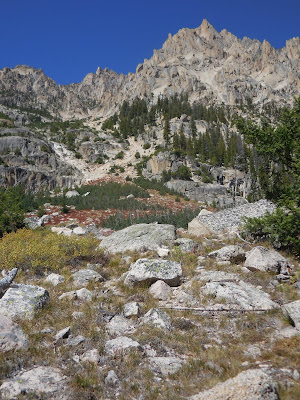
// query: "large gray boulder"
[[11, 335], [263, 259], [232, 253], [38, 380], [229, 219], [244, 294], [149, 271], [141, 237], [22, 301], [292, 311], [253, 384]]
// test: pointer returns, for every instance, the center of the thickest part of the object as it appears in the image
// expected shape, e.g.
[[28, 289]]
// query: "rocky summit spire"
[[207, 31]]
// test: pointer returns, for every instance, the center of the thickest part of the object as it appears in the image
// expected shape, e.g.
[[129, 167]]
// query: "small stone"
[[75, 341], [91, 356], [62, 334], [84, 294], [72, 193], [121, 344], [78, 314], [163, 252], [55, 279], [84, 276], [296, 375], [119, 325], [165, 365], [47, 330], [68, 295], [158, 318], [160, 290], [186, 245], [94, 267], [79, 231], [112, 379], [131, 309]]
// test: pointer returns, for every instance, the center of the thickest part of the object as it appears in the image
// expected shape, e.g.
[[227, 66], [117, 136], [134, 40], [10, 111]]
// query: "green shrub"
[[99, 160], [183, 173], [119, 156], [282, 228]]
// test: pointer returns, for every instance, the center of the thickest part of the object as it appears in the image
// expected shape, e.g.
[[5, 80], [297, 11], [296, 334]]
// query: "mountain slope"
[[206, 64]]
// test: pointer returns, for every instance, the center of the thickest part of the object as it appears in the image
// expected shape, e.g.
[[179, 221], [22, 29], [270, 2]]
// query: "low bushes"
[[40, 251]]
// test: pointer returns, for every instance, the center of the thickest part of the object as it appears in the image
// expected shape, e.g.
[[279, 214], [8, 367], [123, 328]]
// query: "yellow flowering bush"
[[41, 251]]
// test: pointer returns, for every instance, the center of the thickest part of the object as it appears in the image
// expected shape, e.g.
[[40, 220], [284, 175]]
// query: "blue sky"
[[70, 38]]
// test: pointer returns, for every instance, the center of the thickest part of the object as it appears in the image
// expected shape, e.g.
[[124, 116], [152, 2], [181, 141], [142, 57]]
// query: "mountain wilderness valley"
[[149, 226]]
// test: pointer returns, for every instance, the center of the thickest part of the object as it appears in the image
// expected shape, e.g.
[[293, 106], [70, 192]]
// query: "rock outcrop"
[[141, 237], [253, 384]]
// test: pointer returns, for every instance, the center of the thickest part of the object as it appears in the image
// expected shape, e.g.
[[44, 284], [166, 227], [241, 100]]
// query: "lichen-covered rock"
[[140, 237], [232, 253], [253, 384], [244, 294], [11, 335], [157, 317], [36, 381], [292, 310], [22, 301], [121, 344], [229, 219], [186, 245], [149, 271], [263, 259]]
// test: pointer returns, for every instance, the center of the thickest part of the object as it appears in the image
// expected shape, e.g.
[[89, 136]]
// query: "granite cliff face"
[[208, 65]]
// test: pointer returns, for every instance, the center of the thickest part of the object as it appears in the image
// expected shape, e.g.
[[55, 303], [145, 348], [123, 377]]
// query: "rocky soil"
[[160, 314]]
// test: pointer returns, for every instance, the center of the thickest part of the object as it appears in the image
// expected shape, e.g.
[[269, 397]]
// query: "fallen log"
[[214, 310]]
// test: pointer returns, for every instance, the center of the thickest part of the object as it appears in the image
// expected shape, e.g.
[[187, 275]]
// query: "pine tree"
[[167, 129]]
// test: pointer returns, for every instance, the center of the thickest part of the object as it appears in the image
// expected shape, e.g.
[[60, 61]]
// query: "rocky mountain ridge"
[[208, 65]]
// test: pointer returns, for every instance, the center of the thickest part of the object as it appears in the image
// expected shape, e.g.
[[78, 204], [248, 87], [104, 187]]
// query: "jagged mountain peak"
[[211, 66]]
